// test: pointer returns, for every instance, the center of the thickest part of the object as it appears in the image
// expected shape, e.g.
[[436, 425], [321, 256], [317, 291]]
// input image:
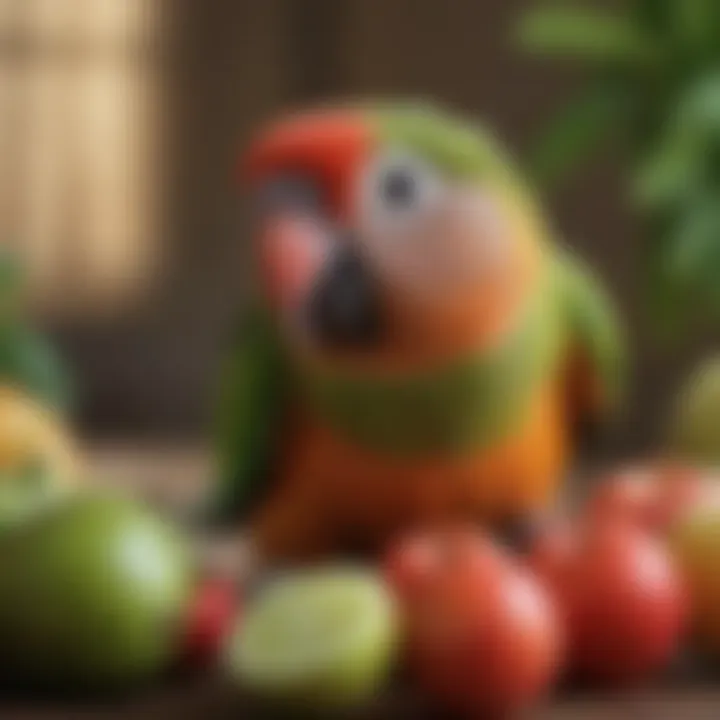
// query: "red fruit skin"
[[210, 620], [553, 553], [621, 597], [653, 497], [416, 562], [484, 636]]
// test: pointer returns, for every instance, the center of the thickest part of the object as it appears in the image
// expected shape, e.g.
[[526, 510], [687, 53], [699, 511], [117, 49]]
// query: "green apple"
[[318, 639], [92, 594], [695, 430]]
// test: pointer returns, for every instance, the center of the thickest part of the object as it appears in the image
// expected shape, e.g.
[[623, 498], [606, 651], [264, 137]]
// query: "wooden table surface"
[[173, 479]]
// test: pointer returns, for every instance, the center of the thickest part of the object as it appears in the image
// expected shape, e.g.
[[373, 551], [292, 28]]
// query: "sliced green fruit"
[[317, 639]]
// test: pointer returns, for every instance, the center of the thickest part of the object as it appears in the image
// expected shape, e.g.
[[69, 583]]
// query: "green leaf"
[[669, 260], [672, 172], [698, 110], [574, 133], [694, 24], [585, 33], [667, 306], [695, 243], [29, 362], [652, 14], [685, 265]]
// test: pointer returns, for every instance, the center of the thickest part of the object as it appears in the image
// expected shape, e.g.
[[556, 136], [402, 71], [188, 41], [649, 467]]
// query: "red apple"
[[417, 561], [483, 633], [621, 597], [652, 496], [210, 621]]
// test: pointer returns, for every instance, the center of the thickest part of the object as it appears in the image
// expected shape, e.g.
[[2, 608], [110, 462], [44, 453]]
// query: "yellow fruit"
[[695, 428], [32, 434], [695, 543]]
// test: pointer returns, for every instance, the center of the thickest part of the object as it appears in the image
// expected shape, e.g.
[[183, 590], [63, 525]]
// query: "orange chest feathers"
[[370, 491]]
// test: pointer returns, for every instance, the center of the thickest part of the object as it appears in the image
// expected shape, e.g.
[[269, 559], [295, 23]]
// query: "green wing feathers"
[[596, 344], [250, 413]]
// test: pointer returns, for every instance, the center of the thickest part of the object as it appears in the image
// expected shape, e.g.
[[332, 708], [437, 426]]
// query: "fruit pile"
[[97, 592], [608, 596]]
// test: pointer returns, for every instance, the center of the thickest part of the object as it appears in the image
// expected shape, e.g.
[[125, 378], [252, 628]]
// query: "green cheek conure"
[[421, 351]]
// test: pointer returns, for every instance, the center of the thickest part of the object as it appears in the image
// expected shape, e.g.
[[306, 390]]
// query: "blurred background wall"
[[120, 121]]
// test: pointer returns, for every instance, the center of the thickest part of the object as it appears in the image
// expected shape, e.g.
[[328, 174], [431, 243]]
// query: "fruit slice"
[[322, 638]]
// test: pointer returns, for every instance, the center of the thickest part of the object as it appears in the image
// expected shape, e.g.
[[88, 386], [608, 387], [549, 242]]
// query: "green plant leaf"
[[686, 156], [585, 33], [670, 174], [682, 263], [694, 24], [666, 305], [651, 14], [695, 243], [698, 111], [574, 133]]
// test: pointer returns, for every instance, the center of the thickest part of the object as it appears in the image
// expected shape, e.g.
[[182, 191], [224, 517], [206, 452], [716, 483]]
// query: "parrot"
[[420, 350]]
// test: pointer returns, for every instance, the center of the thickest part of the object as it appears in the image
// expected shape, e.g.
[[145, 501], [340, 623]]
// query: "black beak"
[[344, 309]]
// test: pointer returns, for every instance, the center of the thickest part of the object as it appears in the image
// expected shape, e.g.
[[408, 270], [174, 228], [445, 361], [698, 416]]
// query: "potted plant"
[[653, 83]]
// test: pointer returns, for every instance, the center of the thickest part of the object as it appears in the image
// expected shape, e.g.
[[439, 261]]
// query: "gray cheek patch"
[[291, 192]]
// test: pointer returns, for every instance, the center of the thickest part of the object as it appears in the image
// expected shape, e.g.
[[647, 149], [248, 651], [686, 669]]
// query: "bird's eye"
[[397, 188]]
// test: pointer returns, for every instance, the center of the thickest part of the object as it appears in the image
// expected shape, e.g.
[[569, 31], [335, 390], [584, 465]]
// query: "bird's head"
[[390, 234]]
